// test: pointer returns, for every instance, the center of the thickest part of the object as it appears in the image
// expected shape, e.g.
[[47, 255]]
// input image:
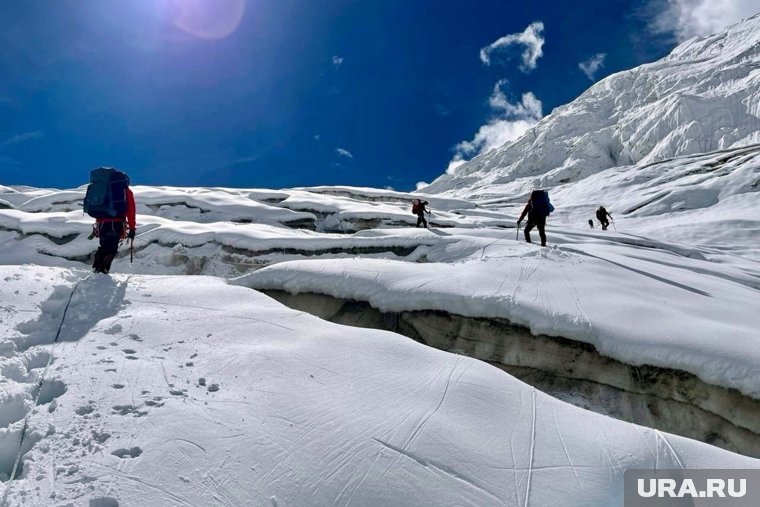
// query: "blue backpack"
[[106, 195], [540, 204]]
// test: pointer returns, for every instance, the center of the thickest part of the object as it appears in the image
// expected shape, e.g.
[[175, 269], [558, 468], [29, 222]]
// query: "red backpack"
[[416, 206]]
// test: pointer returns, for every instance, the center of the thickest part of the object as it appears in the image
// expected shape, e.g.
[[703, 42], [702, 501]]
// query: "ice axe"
[[131, 246]]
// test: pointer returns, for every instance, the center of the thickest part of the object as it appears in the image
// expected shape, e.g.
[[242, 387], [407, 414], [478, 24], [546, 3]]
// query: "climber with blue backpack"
[[538, 208], [111, 203]]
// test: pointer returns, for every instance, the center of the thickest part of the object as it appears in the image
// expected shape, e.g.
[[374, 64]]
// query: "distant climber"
[[601, 215], [111, 203], [537, 209], [418, 208]]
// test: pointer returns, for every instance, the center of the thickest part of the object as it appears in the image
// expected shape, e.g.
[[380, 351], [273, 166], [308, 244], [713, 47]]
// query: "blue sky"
[[276, 93]]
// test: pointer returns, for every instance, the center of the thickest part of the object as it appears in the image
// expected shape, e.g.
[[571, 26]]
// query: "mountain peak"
[[704, 96]]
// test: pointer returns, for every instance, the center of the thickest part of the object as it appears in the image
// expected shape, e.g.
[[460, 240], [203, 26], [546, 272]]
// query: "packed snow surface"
[[177, 390], [674, 283], [639, 305], [223, 231]]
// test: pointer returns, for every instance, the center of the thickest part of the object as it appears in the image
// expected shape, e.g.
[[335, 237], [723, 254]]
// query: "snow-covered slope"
[[704, 96], [709, 200], [636, 306], [220, 231], [187, 391], [168, 389]]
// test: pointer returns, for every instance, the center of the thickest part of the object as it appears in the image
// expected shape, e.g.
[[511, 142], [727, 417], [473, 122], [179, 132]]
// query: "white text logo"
[[715, 488]]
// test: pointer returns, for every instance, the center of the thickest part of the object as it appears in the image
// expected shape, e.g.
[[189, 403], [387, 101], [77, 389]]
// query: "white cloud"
[[317, 137], [344, 153], [532, 40], [592, 65], [421, 184], [490, 136], [454, 163], [512, 121], [530, 107], [337, 61], [20, 138], [687, 18]]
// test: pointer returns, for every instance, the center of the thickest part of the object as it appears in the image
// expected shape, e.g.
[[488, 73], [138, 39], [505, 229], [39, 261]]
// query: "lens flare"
[[208, 19]]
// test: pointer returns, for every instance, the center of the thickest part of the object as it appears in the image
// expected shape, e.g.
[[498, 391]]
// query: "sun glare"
[[208, 19]]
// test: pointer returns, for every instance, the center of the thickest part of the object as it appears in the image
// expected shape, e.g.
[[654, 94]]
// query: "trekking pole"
[[131, 250], [517, 236], [613, 224]]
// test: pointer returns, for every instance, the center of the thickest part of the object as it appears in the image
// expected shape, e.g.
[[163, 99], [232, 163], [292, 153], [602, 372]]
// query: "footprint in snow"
[[116, 328], [155, 402], [127, 453], [104, 501], [12, 409], [84, 410], [37, 359], [49, 391], [100, 437], [128, 410]]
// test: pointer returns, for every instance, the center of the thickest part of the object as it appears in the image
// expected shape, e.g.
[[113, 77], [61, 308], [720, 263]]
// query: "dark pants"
[[540, 223], [110, 235], [421, 220], [604, 223]]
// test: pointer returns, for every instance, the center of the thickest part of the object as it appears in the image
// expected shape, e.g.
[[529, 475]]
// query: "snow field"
[[635, 306], [185, 390]]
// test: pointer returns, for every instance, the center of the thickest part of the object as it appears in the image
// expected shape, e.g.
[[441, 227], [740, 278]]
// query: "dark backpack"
[[540, 204], [106, 195], [416, 205], [601, 214]]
